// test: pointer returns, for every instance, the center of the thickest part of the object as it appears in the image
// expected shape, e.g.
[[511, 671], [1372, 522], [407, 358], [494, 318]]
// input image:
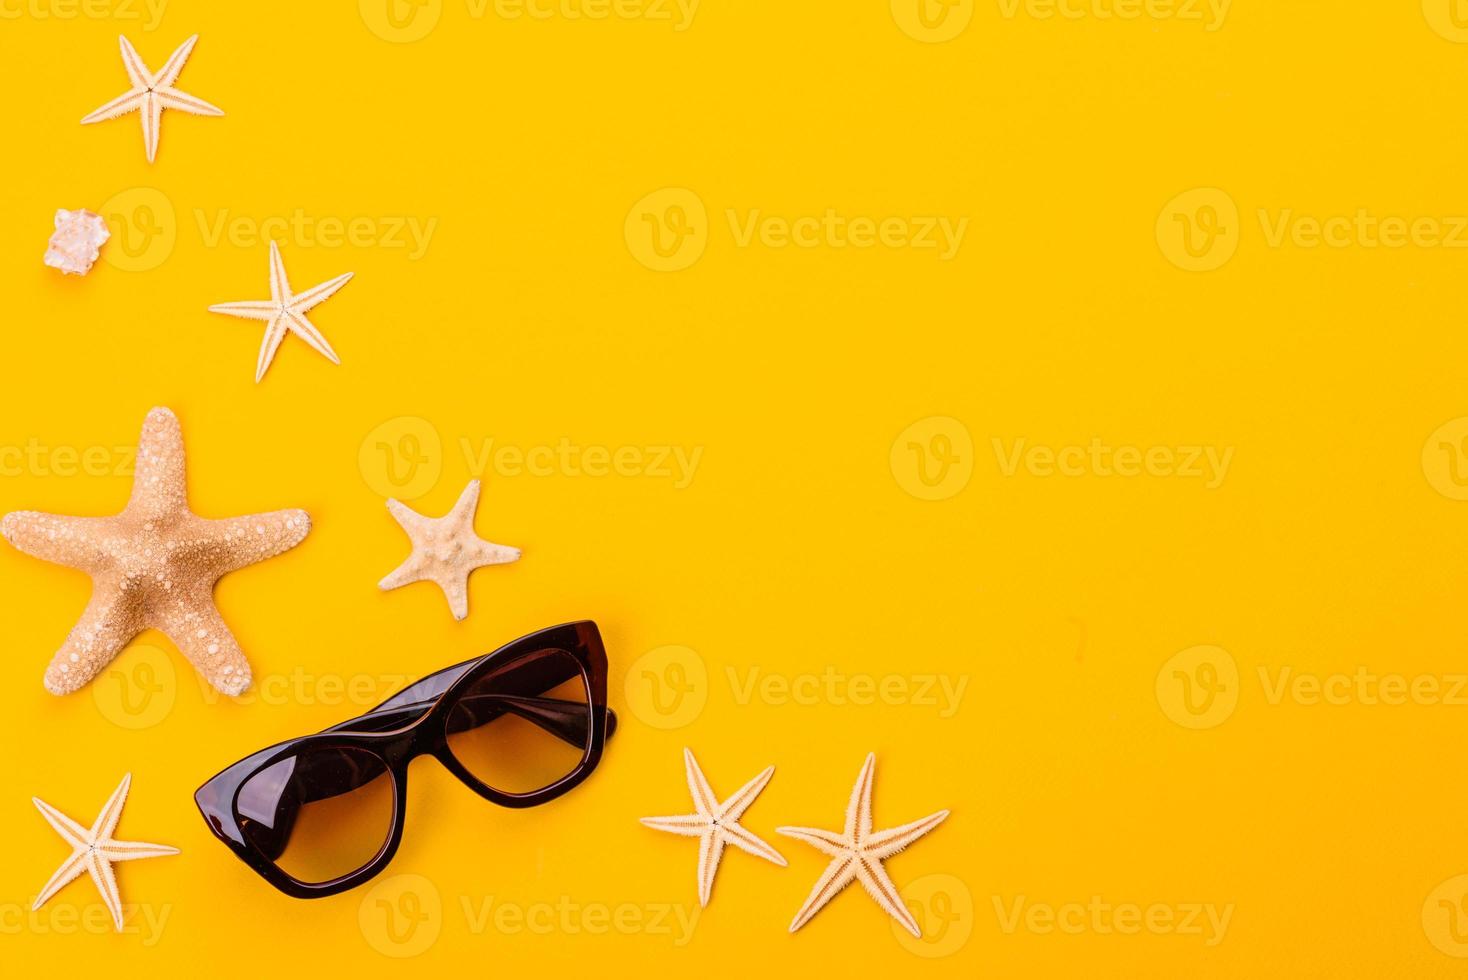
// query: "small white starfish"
[[95, 851], [285, 312], [716, 824], [152, 93], [446, 550], [857, 854]]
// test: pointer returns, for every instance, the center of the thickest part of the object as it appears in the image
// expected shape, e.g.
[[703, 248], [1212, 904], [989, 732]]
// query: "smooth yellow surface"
[[1220, 250]]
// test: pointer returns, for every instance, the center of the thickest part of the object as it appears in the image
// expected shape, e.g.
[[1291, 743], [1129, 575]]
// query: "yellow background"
[[1334, 833]]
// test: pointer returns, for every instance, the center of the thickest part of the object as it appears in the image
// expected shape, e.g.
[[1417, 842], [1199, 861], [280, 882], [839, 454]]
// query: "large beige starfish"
[[446, 550], [857, 854], [94, 850], [285, 312], [152, 93], [716, 824], [154, 565]]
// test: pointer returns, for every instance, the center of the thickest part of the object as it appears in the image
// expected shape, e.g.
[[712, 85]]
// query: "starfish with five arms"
[[94, 850], [445, 550], [152, 93], [285, 312], [154, 565], [857, 854], [716, 824]]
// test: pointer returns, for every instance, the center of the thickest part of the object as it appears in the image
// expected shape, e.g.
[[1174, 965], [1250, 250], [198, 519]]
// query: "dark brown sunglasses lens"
[[319, 814], [525, 725]]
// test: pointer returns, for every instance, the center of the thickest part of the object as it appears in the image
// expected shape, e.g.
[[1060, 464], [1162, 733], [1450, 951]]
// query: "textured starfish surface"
[[94, 851], [152, 92], [716, 824], [285, 312], [446, 549], [154, 566], [857, 854]]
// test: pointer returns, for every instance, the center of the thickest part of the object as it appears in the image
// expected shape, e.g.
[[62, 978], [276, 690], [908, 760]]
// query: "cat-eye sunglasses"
[[320, 814]]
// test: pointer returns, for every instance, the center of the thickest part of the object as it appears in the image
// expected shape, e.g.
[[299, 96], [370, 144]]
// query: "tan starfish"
[[152, 93], [716, 824], [94, 850], [445, 550], [154, 565], [285, 312], [857, 854]]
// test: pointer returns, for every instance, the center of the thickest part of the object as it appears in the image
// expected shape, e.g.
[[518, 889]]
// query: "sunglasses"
[[318, 815]]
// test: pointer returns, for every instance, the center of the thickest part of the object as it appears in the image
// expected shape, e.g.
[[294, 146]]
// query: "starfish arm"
[[106, 821], [408, 519], [455, 590], [240, 541], [838, 875], [152, 115], [698, 787], [874, 879], [196, 628], [128, 101], [172, 98], [255, 310], [159, 479], [137, 72], [685, 825], [133, 850], [62, 540], [67, 873], [886, 843], [174, 66], [822, 840], [275, 332], [106, 881], [733, 808], [73, 833], [307, 331], [489, 553], [280, 286], [407, 573], [317, 295], [746, 841], [710, 850], [107, 625], [462, 515], [859, 808]]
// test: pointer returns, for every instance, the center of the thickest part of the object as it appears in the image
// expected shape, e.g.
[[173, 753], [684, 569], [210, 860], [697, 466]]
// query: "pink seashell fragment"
[[75, 242]]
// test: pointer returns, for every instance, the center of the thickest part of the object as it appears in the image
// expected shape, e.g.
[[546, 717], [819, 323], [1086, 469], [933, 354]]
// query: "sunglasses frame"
[[399, 731]]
